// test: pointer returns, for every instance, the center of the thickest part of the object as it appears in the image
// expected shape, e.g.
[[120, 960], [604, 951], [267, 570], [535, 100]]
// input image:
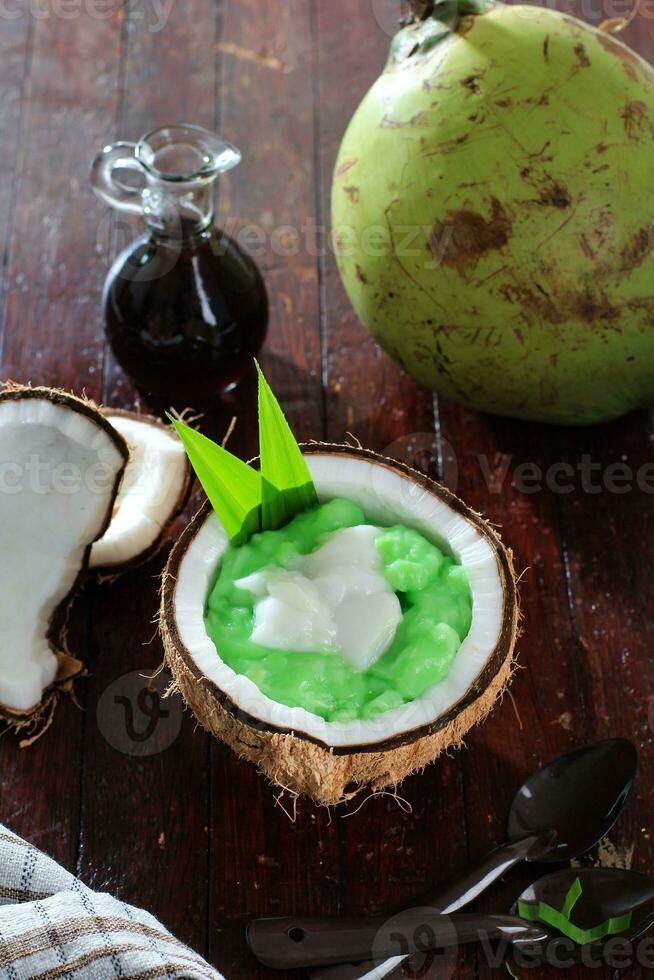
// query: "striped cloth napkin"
[[52, 927]]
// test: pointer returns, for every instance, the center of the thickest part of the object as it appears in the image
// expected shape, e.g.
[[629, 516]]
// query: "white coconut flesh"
[[335, 599], [387, 496], [154, 484], [59, 471]]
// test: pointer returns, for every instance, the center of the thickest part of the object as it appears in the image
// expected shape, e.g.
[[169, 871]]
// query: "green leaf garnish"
[[233, 487], [248, 500], [542, 912], [286, 484]]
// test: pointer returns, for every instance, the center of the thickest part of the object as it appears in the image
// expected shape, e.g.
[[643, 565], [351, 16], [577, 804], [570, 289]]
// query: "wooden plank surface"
[[159, 801], [260, 863], [16, 42], [540, 719], [189, 831], [51, 330]]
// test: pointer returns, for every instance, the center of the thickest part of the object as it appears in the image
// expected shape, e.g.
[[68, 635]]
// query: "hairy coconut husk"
[[33, 723], [109, 573], [294, 760]]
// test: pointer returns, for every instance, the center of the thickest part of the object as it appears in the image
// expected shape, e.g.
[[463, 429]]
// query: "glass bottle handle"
[[119, 156]]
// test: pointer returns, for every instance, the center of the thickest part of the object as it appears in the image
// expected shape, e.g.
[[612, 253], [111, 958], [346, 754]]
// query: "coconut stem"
[[422, 9], [447, 10]]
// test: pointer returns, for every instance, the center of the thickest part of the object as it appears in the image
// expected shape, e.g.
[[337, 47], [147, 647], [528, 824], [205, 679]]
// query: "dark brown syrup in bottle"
[[185, 318]]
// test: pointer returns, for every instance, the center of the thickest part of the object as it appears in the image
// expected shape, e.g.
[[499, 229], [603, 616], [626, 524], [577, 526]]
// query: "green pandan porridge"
[[337, 616]]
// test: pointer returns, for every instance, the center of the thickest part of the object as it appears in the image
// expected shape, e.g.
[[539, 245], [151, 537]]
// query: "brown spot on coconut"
[[638, 249], [304, 753], [582, 56], [353, 193], [636, 123], [155, 489], [462, 237], [555, 195], [472, 84], [345, 166], [62, 466]]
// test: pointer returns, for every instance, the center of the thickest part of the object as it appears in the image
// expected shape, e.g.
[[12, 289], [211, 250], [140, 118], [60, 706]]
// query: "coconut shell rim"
[[495, 660]]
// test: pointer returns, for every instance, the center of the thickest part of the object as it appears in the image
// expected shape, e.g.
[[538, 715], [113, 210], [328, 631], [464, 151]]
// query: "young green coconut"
[[153, 493], [301, 750], [500, 163], [62, 463]]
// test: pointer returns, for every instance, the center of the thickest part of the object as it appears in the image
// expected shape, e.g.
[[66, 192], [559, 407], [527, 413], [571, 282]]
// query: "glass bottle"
[[185, 308]]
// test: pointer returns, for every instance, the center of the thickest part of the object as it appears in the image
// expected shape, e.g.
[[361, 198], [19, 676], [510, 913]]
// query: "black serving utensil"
[[578, 797], [625, 898], [311, 941], [560, 812]]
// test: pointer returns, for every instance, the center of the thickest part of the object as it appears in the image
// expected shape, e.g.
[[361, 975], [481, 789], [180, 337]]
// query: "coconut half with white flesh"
[[154, 491], [300, 751], [61, 464]]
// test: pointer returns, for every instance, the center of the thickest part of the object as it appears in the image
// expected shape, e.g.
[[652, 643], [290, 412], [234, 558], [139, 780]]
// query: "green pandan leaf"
[[542, 912], [245, 499], [233, 487], [286, 484]]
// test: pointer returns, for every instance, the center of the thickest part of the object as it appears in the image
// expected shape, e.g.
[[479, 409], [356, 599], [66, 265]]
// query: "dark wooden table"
[[191, 832]]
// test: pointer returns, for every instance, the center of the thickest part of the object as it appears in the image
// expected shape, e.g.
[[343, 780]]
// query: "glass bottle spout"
[[176, 167]]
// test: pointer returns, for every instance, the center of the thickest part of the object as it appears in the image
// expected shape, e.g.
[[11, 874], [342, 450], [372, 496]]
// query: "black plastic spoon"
[[606, 893], [560, 812], [625, 897], [282, 944]]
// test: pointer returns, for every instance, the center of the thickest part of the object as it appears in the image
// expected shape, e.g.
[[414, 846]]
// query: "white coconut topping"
[[336, 599], [387, 497], [150, 492], [58, 472]]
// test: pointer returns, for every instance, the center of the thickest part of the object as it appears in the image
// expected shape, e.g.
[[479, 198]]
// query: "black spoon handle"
[[298, 942], [454, 894], [467, 885]]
